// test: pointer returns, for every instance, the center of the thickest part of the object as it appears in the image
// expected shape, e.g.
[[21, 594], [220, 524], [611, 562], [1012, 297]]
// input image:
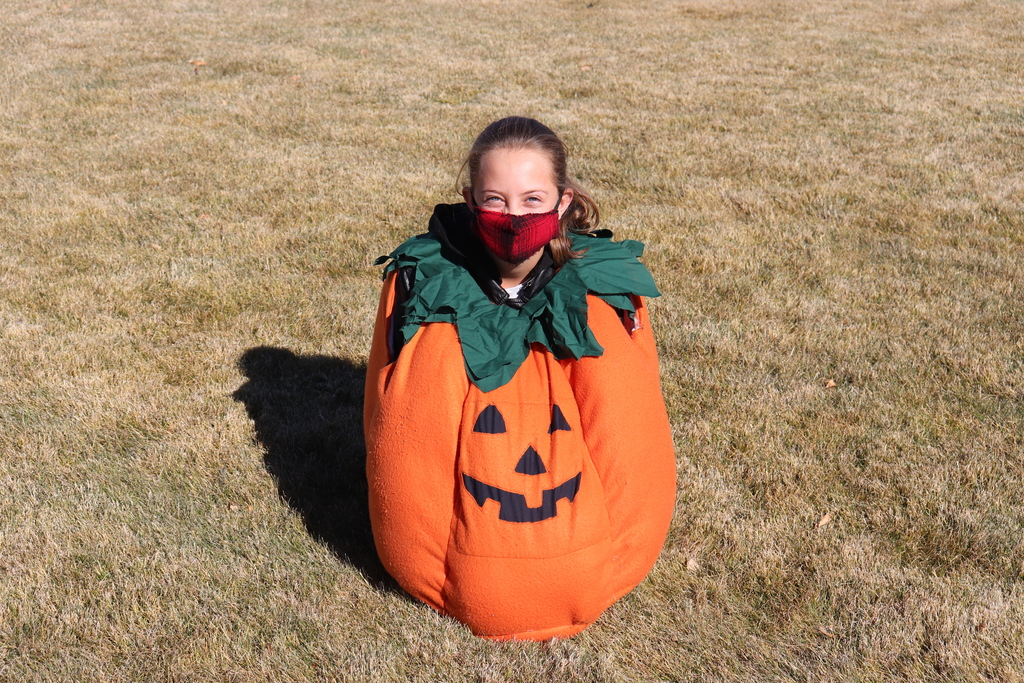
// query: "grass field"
[[191, 196]]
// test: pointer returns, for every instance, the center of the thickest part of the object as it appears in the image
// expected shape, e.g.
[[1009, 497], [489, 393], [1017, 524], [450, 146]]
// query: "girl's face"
[[516, 181]]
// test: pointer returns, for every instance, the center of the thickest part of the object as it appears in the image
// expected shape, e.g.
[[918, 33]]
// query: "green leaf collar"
[[496, 338]]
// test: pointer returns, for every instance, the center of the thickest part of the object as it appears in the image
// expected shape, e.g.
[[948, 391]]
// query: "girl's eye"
[[492, 199]]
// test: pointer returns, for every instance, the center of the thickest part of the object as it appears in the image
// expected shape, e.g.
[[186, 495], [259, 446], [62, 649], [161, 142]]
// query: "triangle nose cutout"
[[530, 463], [558, 420]]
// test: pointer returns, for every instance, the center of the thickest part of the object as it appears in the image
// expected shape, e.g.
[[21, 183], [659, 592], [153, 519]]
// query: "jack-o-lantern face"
[[513, 505], [527, 486]]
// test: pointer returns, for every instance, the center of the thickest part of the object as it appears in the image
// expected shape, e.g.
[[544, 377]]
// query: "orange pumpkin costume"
[[521, 494]]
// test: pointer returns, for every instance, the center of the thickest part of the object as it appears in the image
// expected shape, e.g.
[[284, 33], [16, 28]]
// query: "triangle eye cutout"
[[490, 421], [558, 420], [530, 463]]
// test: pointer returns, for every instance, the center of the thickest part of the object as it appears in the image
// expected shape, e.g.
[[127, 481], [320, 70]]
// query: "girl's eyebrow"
[[539, 190]]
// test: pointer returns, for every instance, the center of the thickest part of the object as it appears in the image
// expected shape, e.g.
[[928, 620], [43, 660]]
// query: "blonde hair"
[[519, 132]]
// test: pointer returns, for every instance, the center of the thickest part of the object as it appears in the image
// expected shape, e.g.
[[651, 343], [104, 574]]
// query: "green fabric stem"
[[495, 338]]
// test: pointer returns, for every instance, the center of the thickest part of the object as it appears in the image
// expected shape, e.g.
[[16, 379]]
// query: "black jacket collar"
[[450, 225]]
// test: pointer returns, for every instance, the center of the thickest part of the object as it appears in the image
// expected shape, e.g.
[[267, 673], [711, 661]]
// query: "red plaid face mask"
[[515, 238]]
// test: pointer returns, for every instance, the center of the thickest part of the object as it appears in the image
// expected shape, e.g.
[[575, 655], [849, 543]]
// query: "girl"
[[519, 456]]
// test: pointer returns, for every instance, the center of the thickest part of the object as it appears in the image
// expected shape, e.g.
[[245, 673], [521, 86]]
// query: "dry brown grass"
[[833, 200]]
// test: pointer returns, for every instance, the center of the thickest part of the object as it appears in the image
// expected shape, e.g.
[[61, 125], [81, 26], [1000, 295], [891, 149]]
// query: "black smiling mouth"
[[513, 505]]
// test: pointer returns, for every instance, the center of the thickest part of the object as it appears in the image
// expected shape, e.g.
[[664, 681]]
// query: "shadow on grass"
[[308, 416]]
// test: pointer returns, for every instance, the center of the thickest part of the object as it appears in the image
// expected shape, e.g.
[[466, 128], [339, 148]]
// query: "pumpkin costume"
[[519, 457]]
